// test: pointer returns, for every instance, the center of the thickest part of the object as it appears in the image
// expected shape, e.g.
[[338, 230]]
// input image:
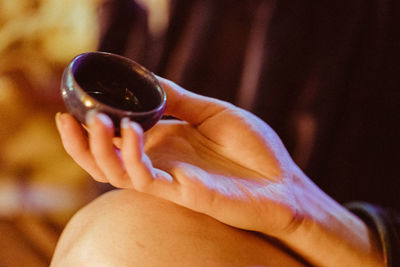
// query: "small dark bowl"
[[114, 85]]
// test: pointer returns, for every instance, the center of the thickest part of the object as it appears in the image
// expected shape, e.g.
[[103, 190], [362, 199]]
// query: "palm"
[[221, 175]]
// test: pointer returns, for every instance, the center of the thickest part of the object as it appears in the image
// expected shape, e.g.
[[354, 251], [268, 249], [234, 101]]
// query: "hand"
[[217, 159]]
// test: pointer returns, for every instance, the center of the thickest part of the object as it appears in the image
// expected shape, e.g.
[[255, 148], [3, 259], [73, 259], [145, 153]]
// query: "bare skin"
[[128, 228], [224, 162]]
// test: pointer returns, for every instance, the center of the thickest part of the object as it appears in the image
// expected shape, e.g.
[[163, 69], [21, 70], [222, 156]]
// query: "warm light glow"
[[157, 14], [88, 103]]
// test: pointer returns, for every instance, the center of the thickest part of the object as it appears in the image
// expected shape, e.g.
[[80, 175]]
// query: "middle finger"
[[101, 133]]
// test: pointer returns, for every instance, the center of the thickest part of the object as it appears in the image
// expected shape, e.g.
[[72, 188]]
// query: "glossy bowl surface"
[[114, 85]]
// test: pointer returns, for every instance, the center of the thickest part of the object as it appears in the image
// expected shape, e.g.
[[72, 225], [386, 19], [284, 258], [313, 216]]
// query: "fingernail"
[[125, 123], [59, 120], [105, 119], [136, 127], [90, 116]]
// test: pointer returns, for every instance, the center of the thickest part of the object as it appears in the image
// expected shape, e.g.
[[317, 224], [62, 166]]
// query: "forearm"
[[329, 235]]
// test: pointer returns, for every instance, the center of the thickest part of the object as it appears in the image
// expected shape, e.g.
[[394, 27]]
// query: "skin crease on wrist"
[[330, 235], [212, 162]]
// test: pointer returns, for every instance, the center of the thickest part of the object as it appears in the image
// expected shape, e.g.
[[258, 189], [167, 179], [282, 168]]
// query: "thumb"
[[189, 106]]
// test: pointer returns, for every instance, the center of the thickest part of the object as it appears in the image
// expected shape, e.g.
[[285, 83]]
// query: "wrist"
[[330, 235]]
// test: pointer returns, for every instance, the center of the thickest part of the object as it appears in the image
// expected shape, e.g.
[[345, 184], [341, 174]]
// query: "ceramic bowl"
[[114, 85]]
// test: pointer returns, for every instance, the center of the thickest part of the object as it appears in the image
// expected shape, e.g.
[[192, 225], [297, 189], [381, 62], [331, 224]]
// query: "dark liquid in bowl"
[[125, 99], [117, 85]]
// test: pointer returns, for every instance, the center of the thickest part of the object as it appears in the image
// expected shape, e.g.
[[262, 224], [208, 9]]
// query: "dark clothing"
[[386, 224]]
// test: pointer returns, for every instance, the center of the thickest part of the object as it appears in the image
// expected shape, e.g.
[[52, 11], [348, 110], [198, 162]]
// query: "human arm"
[[224, 162]]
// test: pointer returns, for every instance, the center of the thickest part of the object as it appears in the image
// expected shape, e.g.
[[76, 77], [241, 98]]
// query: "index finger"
[[189, 106]]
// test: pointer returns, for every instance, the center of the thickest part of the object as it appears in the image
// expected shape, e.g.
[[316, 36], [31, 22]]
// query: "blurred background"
[[40, 186], [323, 75]]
